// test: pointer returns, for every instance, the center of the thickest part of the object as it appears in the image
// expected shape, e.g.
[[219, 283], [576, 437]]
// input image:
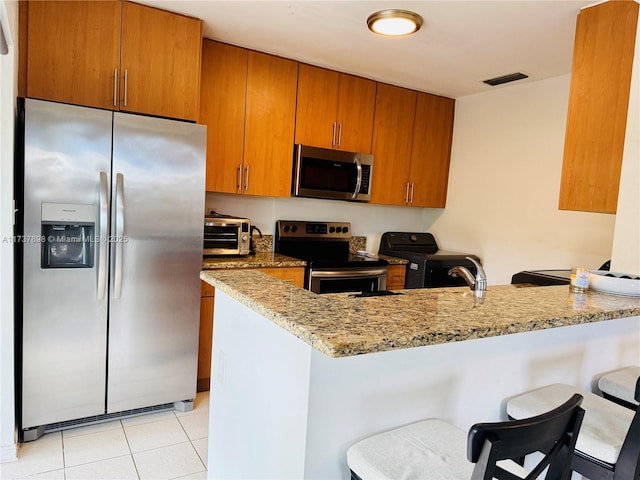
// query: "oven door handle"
[[351, 273], [358, 178]]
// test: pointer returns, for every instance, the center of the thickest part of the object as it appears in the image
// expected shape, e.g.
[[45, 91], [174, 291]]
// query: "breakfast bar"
[[298, 377]]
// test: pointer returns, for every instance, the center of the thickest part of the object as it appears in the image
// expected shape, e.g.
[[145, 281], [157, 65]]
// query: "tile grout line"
[[191, 442], [133, 459]]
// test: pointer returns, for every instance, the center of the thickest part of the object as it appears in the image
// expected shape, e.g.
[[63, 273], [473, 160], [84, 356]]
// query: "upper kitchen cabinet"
[[411, 147], [598, 103], [161, 54], [392, 137], [114, 55], [334, 110], [248, 102], [431, 151], [223, 91], [412, 136], [73, 52]]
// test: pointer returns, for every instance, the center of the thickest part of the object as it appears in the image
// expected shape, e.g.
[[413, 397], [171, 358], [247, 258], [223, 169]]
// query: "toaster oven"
[[225, 235]]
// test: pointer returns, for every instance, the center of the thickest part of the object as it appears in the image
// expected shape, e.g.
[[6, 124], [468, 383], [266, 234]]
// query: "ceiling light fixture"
[[394, 22]]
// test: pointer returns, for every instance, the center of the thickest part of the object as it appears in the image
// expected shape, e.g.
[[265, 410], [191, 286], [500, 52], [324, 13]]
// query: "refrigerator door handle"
[[102, 240], [119, 235]]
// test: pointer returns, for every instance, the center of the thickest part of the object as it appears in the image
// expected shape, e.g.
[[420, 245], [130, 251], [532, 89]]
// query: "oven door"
[[347, 280]]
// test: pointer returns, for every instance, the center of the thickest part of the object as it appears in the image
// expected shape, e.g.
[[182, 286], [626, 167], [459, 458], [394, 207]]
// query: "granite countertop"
[[340, 325], [266, 258], [259, 260]]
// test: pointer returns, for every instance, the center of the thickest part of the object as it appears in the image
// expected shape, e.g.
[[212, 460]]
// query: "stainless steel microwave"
[[334, 174], [224, 235]]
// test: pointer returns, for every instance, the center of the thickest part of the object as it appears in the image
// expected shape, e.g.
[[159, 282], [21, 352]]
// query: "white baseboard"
[[8, 453]]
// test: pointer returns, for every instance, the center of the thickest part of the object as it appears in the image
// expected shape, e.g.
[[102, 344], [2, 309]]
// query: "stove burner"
[[330, 265]]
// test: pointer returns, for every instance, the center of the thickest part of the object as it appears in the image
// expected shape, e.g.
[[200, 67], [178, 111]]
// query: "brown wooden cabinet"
[[293, 275], [114, 55], [248, 104], [161, 54], [395, 277], [598, 104], [431, 151], [392, 137], [334, 110], [412, 147], [223, 91]]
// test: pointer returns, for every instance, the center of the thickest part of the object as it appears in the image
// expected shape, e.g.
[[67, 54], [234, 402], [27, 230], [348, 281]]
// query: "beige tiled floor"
[[164, 445]]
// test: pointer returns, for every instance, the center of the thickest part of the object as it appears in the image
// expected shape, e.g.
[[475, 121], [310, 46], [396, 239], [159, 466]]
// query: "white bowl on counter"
[[614, 282]]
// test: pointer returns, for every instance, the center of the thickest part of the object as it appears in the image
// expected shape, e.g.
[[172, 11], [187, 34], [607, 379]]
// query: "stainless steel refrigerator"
[[109, 235]]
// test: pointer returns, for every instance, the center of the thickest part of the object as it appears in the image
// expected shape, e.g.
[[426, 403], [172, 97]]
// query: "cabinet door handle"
[[126, 84], [115, 87], [333, 135], [239, 184], [246, 178], [406, 192], [339, 134], [411, 194]]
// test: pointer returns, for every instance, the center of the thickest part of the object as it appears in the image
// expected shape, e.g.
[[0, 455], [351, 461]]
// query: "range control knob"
[[345, 229], [286, 228], [332, 229], [294, 228], [338, 229]]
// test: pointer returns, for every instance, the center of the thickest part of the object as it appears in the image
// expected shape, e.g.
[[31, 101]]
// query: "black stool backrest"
[[553, 434]]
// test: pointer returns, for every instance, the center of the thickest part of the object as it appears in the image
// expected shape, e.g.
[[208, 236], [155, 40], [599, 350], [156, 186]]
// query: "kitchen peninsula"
[[300, 377]]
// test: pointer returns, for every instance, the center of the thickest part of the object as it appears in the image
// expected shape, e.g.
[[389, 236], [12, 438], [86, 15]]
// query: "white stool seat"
[[604, 427], [430, 450], [621, 384]]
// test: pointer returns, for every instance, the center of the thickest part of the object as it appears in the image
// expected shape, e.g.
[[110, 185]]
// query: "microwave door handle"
[[359, 179]]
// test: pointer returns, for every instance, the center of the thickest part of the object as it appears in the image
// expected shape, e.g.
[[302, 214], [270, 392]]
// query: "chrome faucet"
[[478, 283]]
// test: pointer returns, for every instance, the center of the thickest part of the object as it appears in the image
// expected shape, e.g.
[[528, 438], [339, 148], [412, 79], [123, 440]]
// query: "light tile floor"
[[157, 446]]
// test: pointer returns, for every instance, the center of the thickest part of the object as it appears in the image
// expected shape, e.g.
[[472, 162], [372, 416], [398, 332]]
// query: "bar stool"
[[608, 446], [433, 449], [619, 386]]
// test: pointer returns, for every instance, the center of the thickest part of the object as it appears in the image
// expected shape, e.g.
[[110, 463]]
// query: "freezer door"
[[156, 258], [67, 155]]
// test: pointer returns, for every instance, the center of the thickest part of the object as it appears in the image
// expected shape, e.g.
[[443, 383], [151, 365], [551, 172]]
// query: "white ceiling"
[[461, 42]]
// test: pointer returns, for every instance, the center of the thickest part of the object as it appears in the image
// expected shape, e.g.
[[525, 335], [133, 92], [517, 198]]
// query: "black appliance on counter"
[[428, 265], [331, 268], [542, 278]]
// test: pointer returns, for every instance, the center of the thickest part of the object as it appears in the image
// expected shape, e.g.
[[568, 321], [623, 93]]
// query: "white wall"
[[504, 185], [626, 244], [503, 190], [8, 92]]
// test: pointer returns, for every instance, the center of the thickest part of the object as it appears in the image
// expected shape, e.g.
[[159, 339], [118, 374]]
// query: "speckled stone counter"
[[341, 325], [259, 260]]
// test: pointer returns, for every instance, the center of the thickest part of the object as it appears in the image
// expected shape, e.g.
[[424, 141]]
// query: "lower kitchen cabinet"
[[294, 275], [395, 277]]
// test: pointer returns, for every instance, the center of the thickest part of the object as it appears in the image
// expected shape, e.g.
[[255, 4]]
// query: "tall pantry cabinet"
[[114, 55]]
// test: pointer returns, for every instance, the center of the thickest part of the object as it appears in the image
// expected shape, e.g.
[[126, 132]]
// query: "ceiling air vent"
[[512, 77]]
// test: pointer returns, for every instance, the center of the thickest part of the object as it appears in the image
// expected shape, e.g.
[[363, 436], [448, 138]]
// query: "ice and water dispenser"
[[68, 235]]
